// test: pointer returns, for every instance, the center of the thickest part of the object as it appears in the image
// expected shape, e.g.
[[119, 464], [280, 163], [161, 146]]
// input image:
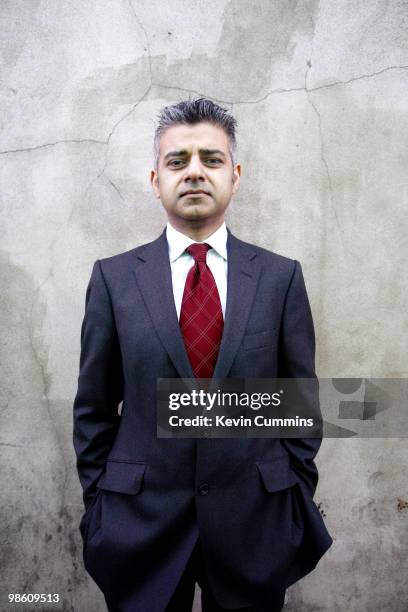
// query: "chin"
[[197, 211]]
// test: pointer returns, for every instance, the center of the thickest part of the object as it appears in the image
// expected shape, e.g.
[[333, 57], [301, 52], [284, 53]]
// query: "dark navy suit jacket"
[[147, 499]]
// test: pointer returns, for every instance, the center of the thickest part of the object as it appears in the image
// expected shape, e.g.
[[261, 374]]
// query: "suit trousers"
[[183, 596]]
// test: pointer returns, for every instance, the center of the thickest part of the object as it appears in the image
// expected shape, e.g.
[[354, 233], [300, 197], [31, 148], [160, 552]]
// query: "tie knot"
[[198, 251]]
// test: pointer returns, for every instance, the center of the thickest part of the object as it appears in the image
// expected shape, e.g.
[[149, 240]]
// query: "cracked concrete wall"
[[320, 91]]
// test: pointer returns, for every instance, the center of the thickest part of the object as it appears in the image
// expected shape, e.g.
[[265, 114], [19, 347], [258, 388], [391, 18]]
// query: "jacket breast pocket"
[[259, 340], [122, 476]]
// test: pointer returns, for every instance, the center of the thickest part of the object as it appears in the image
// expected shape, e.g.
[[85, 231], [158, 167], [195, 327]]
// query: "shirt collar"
[[178, 242]]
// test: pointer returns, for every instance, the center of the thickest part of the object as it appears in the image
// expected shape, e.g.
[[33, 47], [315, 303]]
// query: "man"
[[235, 515]]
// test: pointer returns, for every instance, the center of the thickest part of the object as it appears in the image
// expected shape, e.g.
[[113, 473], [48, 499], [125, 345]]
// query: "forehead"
[[202, 135]]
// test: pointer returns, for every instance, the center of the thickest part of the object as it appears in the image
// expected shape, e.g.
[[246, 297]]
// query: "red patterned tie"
[[201, 320]]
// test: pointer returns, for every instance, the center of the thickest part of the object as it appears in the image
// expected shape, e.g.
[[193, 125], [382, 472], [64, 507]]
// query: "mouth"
[[194, 192]]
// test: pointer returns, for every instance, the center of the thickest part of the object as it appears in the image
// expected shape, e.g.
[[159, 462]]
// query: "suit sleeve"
[[297, 360], [100, 385]]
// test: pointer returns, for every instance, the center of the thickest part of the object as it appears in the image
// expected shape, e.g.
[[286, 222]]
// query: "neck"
[[197, 231]]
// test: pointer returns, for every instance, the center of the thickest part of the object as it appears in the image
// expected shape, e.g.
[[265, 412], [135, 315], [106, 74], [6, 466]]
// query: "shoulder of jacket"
[[125, 259], [270, 257]]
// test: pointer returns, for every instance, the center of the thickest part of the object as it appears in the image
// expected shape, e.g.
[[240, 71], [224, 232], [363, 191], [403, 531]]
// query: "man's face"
[[195, 178]]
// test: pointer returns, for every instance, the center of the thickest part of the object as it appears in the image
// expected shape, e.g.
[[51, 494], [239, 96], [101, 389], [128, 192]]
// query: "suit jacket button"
[[204, 489]]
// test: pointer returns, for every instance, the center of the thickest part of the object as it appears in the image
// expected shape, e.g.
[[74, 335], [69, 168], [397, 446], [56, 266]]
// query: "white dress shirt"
[[181, 262]]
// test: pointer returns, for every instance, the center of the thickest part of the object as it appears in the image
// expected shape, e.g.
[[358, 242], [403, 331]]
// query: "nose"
[[194, 170]]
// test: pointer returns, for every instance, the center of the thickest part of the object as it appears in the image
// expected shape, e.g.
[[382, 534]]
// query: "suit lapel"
[[153, 276], [243, 274]]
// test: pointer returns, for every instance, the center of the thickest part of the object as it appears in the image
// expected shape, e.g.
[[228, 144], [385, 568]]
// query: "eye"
[[176, 163], [213, 160]]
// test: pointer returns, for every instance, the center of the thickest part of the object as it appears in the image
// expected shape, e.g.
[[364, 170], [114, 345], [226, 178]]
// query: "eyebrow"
[[184, 153]]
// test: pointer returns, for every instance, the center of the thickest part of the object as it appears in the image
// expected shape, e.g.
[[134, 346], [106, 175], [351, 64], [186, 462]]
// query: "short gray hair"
[[189, 112]]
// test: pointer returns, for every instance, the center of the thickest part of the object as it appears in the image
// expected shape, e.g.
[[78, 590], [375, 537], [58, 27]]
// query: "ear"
[[236, 177], [154, 180]]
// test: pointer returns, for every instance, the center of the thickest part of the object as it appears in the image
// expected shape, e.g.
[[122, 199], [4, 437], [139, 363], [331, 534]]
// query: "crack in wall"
[[359, 78], [278, 90], [326, 165], [53, 144], [140, 24], [126, 115], [308, 92], [83, 140], [116, 188], [222, 100], [114, 128]]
